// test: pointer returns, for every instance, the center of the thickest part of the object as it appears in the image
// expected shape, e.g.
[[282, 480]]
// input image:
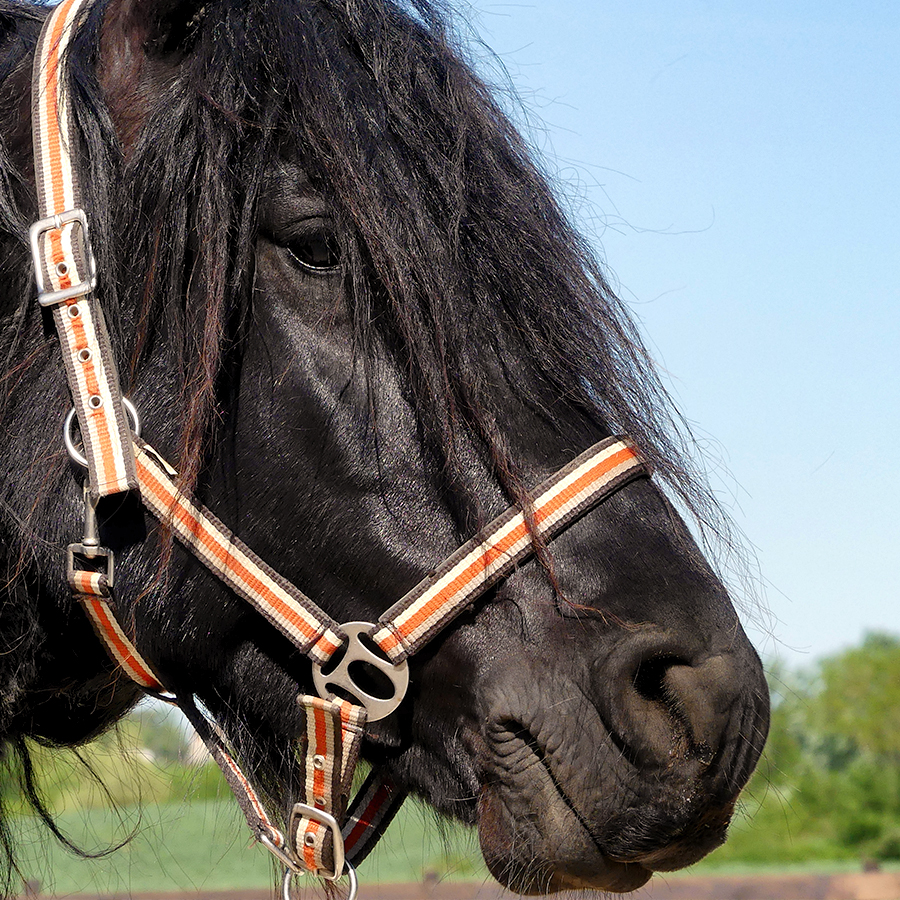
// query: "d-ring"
[[74, 453], [348, 869]]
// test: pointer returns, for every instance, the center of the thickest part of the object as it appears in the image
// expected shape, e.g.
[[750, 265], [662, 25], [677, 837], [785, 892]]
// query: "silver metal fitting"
[[48, 297], [342, 677]]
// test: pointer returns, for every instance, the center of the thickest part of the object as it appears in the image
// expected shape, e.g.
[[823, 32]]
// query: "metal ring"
[[376, 707], [74, 453], [348, 870]]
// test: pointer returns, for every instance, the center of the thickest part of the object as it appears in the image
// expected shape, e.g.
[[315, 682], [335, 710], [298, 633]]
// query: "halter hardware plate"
[[55, 223], [342, 677]]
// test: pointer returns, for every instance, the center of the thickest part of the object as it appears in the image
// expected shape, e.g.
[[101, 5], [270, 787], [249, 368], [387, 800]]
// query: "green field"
[[206, 845]]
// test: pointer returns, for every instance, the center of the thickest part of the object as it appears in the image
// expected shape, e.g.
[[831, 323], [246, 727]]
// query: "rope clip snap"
[[90, 549]]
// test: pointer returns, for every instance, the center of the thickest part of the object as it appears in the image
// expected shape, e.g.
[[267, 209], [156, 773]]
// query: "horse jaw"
[[565, 856]]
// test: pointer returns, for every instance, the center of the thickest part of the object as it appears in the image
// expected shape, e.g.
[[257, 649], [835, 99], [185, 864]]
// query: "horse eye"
[[319, 251]]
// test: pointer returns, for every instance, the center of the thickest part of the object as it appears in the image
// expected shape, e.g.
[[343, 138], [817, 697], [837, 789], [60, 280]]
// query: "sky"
[[736, 166]]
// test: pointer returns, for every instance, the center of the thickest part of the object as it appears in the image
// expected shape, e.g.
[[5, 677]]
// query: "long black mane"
[[419, 164], [457, 257]]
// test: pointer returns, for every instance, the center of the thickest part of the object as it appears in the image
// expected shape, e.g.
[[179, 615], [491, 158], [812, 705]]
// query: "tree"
[[857, 702]]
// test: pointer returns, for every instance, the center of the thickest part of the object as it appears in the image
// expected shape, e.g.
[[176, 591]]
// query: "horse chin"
[[560, 855]]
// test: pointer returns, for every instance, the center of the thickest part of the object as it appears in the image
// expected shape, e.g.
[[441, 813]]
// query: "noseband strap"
[[326, 833]]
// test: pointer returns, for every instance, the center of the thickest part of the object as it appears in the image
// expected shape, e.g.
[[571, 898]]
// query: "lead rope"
[[325, 835]]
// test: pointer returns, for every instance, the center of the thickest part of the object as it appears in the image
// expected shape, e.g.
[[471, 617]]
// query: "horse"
[[349, 308]]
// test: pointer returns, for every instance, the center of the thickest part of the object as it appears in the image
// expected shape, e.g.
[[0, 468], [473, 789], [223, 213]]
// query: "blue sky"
[[737, 167]]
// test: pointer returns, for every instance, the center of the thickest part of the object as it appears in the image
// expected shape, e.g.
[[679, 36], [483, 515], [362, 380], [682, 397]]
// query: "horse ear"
[[141, 42]]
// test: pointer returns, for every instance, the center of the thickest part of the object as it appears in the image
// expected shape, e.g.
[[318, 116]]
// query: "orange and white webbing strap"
[[65, 268], [334, 732], [91, 590], [251, 806], [492, 554], [286, 607]]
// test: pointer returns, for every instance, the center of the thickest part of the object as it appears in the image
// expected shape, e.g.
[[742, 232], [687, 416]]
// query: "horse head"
[[348, 307]]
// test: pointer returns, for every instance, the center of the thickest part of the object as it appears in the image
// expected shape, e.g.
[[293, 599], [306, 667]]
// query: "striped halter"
[[327, 834]]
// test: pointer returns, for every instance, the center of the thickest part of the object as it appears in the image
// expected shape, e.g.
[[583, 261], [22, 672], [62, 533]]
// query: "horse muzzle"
[[589, 785]]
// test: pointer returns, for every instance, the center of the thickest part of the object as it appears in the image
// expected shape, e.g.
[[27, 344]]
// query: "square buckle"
[[93, 558], [55, 223], [303, 810]]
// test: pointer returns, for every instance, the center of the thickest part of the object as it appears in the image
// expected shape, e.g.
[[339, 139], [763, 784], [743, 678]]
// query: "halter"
[[327, 834]]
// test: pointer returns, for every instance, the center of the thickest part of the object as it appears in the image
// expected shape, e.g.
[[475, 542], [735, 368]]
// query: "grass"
[[206, 845], [181, 831]]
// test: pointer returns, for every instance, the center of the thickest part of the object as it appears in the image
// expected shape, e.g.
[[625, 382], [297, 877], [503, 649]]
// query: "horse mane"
[[456, 251]]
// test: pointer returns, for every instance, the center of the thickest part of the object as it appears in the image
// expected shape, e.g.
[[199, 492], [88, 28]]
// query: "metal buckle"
[[92, 553], [341, 677], [89, 548], [55, 223], [303, 811]]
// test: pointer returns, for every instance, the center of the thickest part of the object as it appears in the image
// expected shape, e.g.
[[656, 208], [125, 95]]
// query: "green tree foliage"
[[857, 703], [828, 785]]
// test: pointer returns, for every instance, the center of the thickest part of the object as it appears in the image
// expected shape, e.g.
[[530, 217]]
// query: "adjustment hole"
[[74, 311], [95, 402], [62, 269], [85, 355]]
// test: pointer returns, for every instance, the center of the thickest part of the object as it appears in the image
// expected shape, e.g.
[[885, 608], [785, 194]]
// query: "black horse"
[[350, 310]]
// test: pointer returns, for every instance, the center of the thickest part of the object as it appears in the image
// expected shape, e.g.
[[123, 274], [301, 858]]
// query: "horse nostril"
[[650, 678], [658, 700], [679, 707], [706, 694]]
